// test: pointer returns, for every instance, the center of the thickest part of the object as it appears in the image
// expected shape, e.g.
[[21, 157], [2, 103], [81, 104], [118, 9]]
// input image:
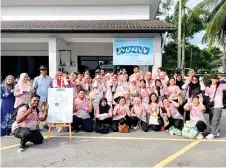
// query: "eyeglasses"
[[36, 101], [194, 79]]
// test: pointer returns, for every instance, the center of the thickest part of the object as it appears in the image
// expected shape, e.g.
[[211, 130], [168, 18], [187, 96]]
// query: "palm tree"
[[215, 32], [190, 26]]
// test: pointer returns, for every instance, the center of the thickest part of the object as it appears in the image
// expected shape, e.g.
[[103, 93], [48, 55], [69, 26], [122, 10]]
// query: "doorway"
[[15, 65]]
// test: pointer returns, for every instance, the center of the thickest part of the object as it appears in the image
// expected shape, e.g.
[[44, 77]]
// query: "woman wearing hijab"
[[74, 83], [22, 90], [121, 87], [109, 84], [7, 105], [138, 113], [103, 114], [134, 88], [194, 87], [97, 91], [149, 80], [60, 81]]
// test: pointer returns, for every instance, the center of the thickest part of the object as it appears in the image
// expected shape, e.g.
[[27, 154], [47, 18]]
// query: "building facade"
[[75, 35]]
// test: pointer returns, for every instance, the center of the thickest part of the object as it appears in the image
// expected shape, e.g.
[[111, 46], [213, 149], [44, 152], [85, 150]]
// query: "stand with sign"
[[56, 125], [60, 113]]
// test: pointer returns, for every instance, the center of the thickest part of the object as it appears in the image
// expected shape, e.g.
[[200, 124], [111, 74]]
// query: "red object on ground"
[[162, 128]]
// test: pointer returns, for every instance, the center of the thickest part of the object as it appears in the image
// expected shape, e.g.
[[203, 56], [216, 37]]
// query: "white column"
[[144, 68], [157, 53], [53, 56]]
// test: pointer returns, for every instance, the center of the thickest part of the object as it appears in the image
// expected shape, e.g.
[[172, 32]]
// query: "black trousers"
[[26, 135], [134, 121], [115, 124], [99, 123], [145, 127], [201, 126], [177, 123], [85, 124]]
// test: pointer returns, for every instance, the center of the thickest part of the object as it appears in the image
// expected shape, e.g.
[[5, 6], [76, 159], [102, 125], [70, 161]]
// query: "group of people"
[[114, 101]]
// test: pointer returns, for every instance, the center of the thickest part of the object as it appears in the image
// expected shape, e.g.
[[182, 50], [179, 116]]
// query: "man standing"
[[41, 85], [26, 121]]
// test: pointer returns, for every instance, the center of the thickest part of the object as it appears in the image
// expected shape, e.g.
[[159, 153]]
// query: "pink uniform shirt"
[[120, 112], [81, 108], [172, 91], [174, 112], [30, 122], [218, 100], [196, 113], [143, 94]]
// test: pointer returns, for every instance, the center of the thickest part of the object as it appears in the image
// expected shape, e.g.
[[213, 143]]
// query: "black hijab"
[[194, 89], [103, 109]]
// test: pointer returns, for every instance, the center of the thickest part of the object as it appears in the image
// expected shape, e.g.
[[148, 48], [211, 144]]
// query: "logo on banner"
[[132, 49]]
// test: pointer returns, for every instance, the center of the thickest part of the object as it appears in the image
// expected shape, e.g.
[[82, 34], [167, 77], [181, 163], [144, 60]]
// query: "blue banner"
[[132, 51]]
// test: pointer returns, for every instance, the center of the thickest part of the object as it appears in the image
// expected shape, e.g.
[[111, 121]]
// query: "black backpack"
[[13, 117], [104, 129]]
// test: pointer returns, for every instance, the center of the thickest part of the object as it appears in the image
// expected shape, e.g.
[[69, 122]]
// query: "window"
[[95, 62]]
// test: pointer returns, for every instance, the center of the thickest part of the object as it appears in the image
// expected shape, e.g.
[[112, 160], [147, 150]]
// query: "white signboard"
[[60, 102], [133, 51]]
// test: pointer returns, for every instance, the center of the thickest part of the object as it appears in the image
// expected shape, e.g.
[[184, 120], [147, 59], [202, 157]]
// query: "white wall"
[[76, 12], [78, 49], [24, 49]]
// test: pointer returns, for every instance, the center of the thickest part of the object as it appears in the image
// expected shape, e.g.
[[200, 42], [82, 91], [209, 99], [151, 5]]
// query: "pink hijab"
[[24, 86]]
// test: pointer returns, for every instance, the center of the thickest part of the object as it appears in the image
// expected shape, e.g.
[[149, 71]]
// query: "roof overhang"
[[108, 26], [7, 3]]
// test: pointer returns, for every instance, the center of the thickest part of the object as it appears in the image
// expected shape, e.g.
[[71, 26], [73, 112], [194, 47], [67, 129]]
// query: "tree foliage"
[[201, 58], [215, 12], [193, 21]]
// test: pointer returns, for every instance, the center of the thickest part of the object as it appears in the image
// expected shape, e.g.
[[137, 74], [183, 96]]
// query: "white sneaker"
[[210, 136], [200, 136], [217, 135], [21, 149], [135, 128]]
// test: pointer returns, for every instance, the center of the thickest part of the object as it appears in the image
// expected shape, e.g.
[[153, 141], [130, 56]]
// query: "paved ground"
[[136, 149]]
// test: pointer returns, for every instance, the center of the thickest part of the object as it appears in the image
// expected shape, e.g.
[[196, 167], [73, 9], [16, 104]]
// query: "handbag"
[[153, 120], [104, 129], [207, 102], [123, 128]]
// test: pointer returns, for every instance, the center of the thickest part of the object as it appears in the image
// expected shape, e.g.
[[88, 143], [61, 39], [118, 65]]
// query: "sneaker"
[[200, 136], [135, 128], [210, 136], [217, 135], [21, 148]]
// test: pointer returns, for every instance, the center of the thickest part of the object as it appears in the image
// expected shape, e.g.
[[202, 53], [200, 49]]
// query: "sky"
[[197, 40], [197, 37]]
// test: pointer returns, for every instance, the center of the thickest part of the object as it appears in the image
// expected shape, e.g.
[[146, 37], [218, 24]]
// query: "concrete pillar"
[[53, 56], [144, 68], [157, 53]]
